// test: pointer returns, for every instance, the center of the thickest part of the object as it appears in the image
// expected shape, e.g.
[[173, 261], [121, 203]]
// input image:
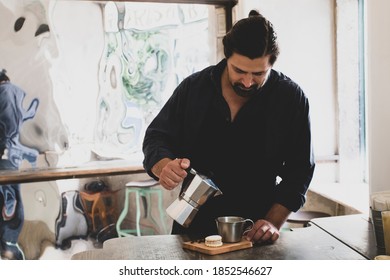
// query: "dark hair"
[[3, 76], [252, 37]]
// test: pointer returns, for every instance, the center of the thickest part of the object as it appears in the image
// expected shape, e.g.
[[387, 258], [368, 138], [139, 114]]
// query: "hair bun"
[[253, 13]]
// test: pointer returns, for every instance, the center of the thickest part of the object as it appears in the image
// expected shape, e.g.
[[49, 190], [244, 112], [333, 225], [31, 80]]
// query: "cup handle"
[[251, 226]]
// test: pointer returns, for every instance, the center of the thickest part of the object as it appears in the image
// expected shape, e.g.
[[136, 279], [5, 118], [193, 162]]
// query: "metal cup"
[[231, 228]]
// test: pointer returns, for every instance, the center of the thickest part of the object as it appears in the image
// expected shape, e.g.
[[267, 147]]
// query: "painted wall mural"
[[99, 81], [90, 78], [26, 51], [146, 54]]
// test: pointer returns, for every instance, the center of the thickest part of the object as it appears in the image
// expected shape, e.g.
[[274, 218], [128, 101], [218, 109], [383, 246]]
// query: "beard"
[[242, 91]]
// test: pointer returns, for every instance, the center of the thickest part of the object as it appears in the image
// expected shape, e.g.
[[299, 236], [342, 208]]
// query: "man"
[[244, 125]]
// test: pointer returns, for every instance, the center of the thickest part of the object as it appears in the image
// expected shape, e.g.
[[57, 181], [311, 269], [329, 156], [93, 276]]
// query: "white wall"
[[320, 51], [378, 93], [305, 31]]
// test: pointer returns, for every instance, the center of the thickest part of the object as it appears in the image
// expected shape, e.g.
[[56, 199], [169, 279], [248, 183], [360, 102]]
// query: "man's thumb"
[[185, 163]]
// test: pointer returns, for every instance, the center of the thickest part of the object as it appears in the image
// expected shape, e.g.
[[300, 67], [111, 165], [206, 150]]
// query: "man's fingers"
[[264, 228], [174, 173], [263, 231]]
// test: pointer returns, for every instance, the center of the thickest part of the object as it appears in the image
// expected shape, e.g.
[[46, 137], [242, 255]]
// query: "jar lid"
[[380, 201]]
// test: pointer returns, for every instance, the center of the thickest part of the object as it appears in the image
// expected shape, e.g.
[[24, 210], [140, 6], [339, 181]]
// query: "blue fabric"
[[12, 116], [10, 198]]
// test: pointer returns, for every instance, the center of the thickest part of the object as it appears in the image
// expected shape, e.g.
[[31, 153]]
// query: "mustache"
[[241, 86]]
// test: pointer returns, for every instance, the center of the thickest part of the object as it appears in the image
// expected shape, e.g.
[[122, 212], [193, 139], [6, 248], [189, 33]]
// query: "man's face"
[[247, 75]]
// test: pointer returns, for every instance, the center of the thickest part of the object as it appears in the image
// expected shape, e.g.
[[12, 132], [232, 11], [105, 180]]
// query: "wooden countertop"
[[91, 169], [356, 231], [310, 243]]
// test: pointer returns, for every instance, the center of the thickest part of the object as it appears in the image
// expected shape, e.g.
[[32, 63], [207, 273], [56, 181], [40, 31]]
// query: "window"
[[102, 76], [322, 50]]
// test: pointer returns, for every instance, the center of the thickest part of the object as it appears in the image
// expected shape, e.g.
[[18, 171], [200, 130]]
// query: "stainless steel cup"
[[231, 228]]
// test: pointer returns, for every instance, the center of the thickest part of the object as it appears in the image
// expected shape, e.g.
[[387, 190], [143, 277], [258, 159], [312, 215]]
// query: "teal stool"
[[142, 190]]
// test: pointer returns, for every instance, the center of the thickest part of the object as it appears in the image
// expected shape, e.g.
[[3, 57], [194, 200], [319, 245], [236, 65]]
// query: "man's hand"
[[171, 172], [267, 229], [263, 231]]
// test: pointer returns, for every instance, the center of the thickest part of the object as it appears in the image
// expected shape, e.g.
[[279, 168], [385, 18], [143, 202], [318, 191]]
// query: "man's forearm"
[[277, 215]]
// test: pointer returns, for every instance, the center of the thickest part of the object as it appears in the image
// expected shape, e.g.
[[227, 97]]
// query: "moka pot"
[[197, 190]]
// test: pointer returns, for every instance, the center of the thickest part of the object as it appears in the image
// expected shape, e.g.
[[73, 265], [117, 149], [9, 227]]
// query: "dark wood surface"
[[91, 169], [356, 231], [310, 243]]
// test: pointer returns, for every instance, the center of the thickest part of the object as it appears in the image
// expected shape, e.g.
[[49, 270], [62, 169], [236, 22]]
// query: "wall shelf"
[[91, 169]]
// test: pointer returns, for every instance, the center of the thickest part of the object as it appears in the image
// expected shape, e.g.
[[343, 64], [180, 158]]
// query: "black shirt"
[[269, 138]]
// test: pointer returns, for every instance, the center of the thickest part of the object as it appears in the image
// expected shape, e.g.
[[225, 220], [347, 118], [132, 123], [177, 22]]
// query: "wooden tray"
[[225, 248]]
